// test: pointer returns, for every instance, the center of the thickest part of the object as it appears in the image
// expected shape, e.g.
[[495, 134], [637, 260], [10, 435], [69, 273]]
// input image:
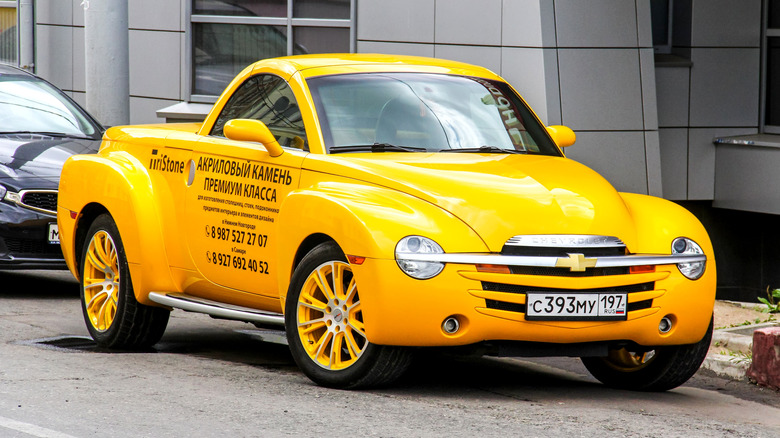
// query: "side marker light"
[[355, 260]]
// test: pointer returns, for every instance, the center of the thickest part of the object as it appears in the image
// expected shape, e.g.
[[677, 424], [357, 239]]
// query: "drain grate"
[[63, 343]]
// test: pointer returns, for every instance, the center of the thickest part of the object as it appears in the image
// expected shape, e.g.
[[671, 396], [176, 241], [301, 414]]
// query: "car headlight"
[[420, 270], [683, 245], [12, 196]]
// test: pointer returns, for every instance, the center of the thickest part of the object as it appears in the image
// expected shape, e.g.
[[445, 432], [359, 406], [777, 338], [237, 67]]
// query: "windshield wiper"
[[47, 134], [376, 147], [484, 150]]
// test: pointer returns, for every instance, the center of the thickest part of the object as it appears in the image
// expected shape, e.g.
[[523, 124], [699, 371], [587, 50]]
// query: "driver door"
[[236, 189]]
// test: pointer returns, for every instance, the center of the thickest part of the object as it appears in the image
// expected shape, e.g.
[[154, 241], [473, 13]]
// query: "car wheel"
[[325, 326], [113, 316], [659, 369]]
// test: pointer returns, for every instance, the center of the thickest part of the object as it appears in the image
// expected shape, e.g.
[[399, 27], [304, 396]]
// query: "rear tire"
[[659, 369], [325, 326], [113, 316]]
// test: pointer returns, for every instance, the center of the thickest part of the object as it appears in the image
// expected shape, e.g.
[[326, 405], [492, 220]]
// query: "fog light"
[[665, 325], [450, 325]]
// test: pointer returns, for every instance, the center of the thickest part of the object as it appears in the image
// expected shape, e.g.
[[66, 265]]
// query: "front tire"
[[113, 316], [325, 326], [659, 369]]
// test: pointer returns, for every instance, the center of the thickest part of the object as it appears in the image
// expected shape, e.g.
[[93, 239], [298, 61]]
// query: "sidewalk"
[[731, 351]]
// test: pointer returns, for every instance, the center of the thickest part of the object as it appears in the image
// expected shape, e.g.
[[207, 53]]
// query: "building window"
[[8, 32], [228, 35], [661, 16], [771, 95]]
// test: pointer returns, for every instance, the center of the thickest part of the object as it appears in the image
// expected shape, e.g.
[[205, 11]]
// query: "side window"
[[269, 99]]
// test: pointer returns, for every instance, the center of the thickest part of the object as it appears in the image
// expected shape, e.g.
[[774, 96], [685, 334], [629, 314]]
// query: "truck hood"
[[499, 196]]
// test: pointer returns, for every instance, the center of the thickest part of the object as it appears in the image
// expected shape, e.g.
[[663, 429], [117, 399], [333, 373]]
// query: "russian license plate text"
[[542, 306]]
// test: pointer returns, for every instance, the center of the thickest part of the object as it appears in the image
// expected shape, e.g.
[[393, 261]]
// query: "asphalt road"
[[210, 378]]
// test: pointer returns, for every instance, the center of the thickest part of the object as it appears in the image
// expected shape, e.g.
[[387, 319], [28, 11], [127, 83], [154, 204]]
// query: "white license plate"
[[542, 306], [54, 234]]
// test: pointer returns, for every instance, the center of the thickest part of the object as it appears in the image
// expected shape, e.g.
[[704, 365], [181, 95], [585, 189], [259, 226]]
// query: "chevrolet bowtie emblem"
[[575, 262]]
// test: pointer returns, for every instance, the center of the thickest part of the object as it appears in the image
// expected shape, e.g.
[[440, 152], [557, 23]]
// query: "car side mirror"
[[563, 136], [255, 131]]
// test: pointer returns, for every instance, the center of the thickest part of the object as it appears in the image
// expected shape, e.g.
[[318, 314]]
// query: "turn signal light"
[[643, 269], [496, 269]]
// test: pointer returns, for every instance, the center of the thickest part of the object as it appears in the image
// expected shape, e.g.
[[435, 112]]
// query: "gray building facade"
[[672, 98]]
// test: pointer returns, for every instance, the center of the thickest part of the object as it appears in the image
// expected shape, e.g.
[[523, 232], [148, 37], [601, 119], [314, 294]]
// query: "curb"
[[727, 366], [725, 340]]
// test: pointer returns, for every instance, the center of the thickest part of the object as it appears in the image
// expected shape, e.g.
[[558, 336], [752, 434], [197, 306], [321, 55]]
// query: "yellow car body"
[[225, 220]]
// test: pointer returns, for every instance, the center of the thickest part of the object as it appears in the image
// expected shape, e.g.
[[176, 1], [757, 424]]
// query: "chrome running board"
[[215, 308]]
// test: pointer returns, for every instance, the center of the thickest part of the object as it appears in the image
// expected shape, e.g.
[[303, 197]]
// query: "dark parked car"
[[40, 127]]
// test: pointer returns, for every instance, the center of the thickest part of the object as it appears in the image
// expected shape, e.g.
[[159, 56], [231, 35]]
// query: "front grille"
[[535, 251], [503, 305], [564, 247], [516, 289], [566, 272], [520, 308], [40, 200], [26, 246]]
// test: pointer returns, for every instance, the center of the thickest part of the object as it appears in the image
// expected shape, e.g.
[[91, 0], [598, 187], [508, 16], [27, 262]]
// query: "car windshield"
[[425, 113], [29, 105]]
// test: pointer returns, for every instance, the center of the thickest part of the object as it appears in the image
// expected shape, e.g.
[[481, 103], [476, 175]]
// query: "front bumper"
[[24, 242], [399, 310]]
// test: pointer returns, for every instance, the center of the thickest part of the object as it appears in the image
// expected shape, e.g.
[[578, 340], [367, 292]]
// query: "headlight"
[[12, 196], [683, 245], [418, 245]]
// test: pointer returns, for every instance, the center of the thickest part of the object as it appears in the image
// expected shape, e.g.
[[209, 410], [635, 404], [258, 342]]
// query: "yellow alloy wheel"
[[329, 316], [624, 360], [101, 281]]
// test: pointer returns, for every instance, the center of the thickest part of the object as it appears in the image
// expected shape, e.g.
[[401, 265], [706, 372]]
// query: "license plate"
[[542, 306], [54, 234]]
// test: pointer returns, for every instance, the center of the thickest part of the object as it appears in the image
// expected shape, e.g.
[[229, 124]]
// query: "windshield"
[[432, 112], [29, 105]]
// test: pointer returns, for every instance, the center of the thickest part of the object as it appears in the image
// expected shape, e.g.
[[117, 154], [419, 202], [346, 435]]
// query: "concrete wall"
[[647, 126], [709, 89], [588, 65], [157, 44]]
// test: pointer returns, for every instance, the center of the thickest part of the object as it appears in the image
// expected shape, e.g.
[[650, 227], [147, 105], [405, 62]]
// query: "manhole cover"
[[65, 343]]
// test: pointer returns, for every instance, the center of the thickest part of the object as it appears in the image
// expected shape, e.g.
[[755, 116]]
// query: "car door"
[[235, 189]]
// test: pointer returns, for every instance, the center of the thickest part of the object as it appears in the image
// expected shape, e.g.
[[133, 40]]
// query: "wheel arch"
[[363, 220], [86, 217], [119, 185], [308, 244]]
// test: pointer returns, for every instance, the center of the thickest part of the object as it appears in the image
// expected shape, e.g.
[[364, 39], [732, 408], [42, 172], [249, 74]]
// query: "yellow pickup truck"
[[374, 205]]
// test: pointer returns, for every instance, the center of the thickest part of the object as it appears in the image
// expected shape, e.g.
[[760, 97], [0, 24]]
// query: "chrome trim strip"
[[565, 241], [16, 198], [551, 262], [215, 308]]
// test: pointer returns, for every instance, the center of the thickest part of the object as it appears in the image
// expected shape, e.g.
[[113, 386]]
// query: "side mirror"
[[563, 136], [255, 131]]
